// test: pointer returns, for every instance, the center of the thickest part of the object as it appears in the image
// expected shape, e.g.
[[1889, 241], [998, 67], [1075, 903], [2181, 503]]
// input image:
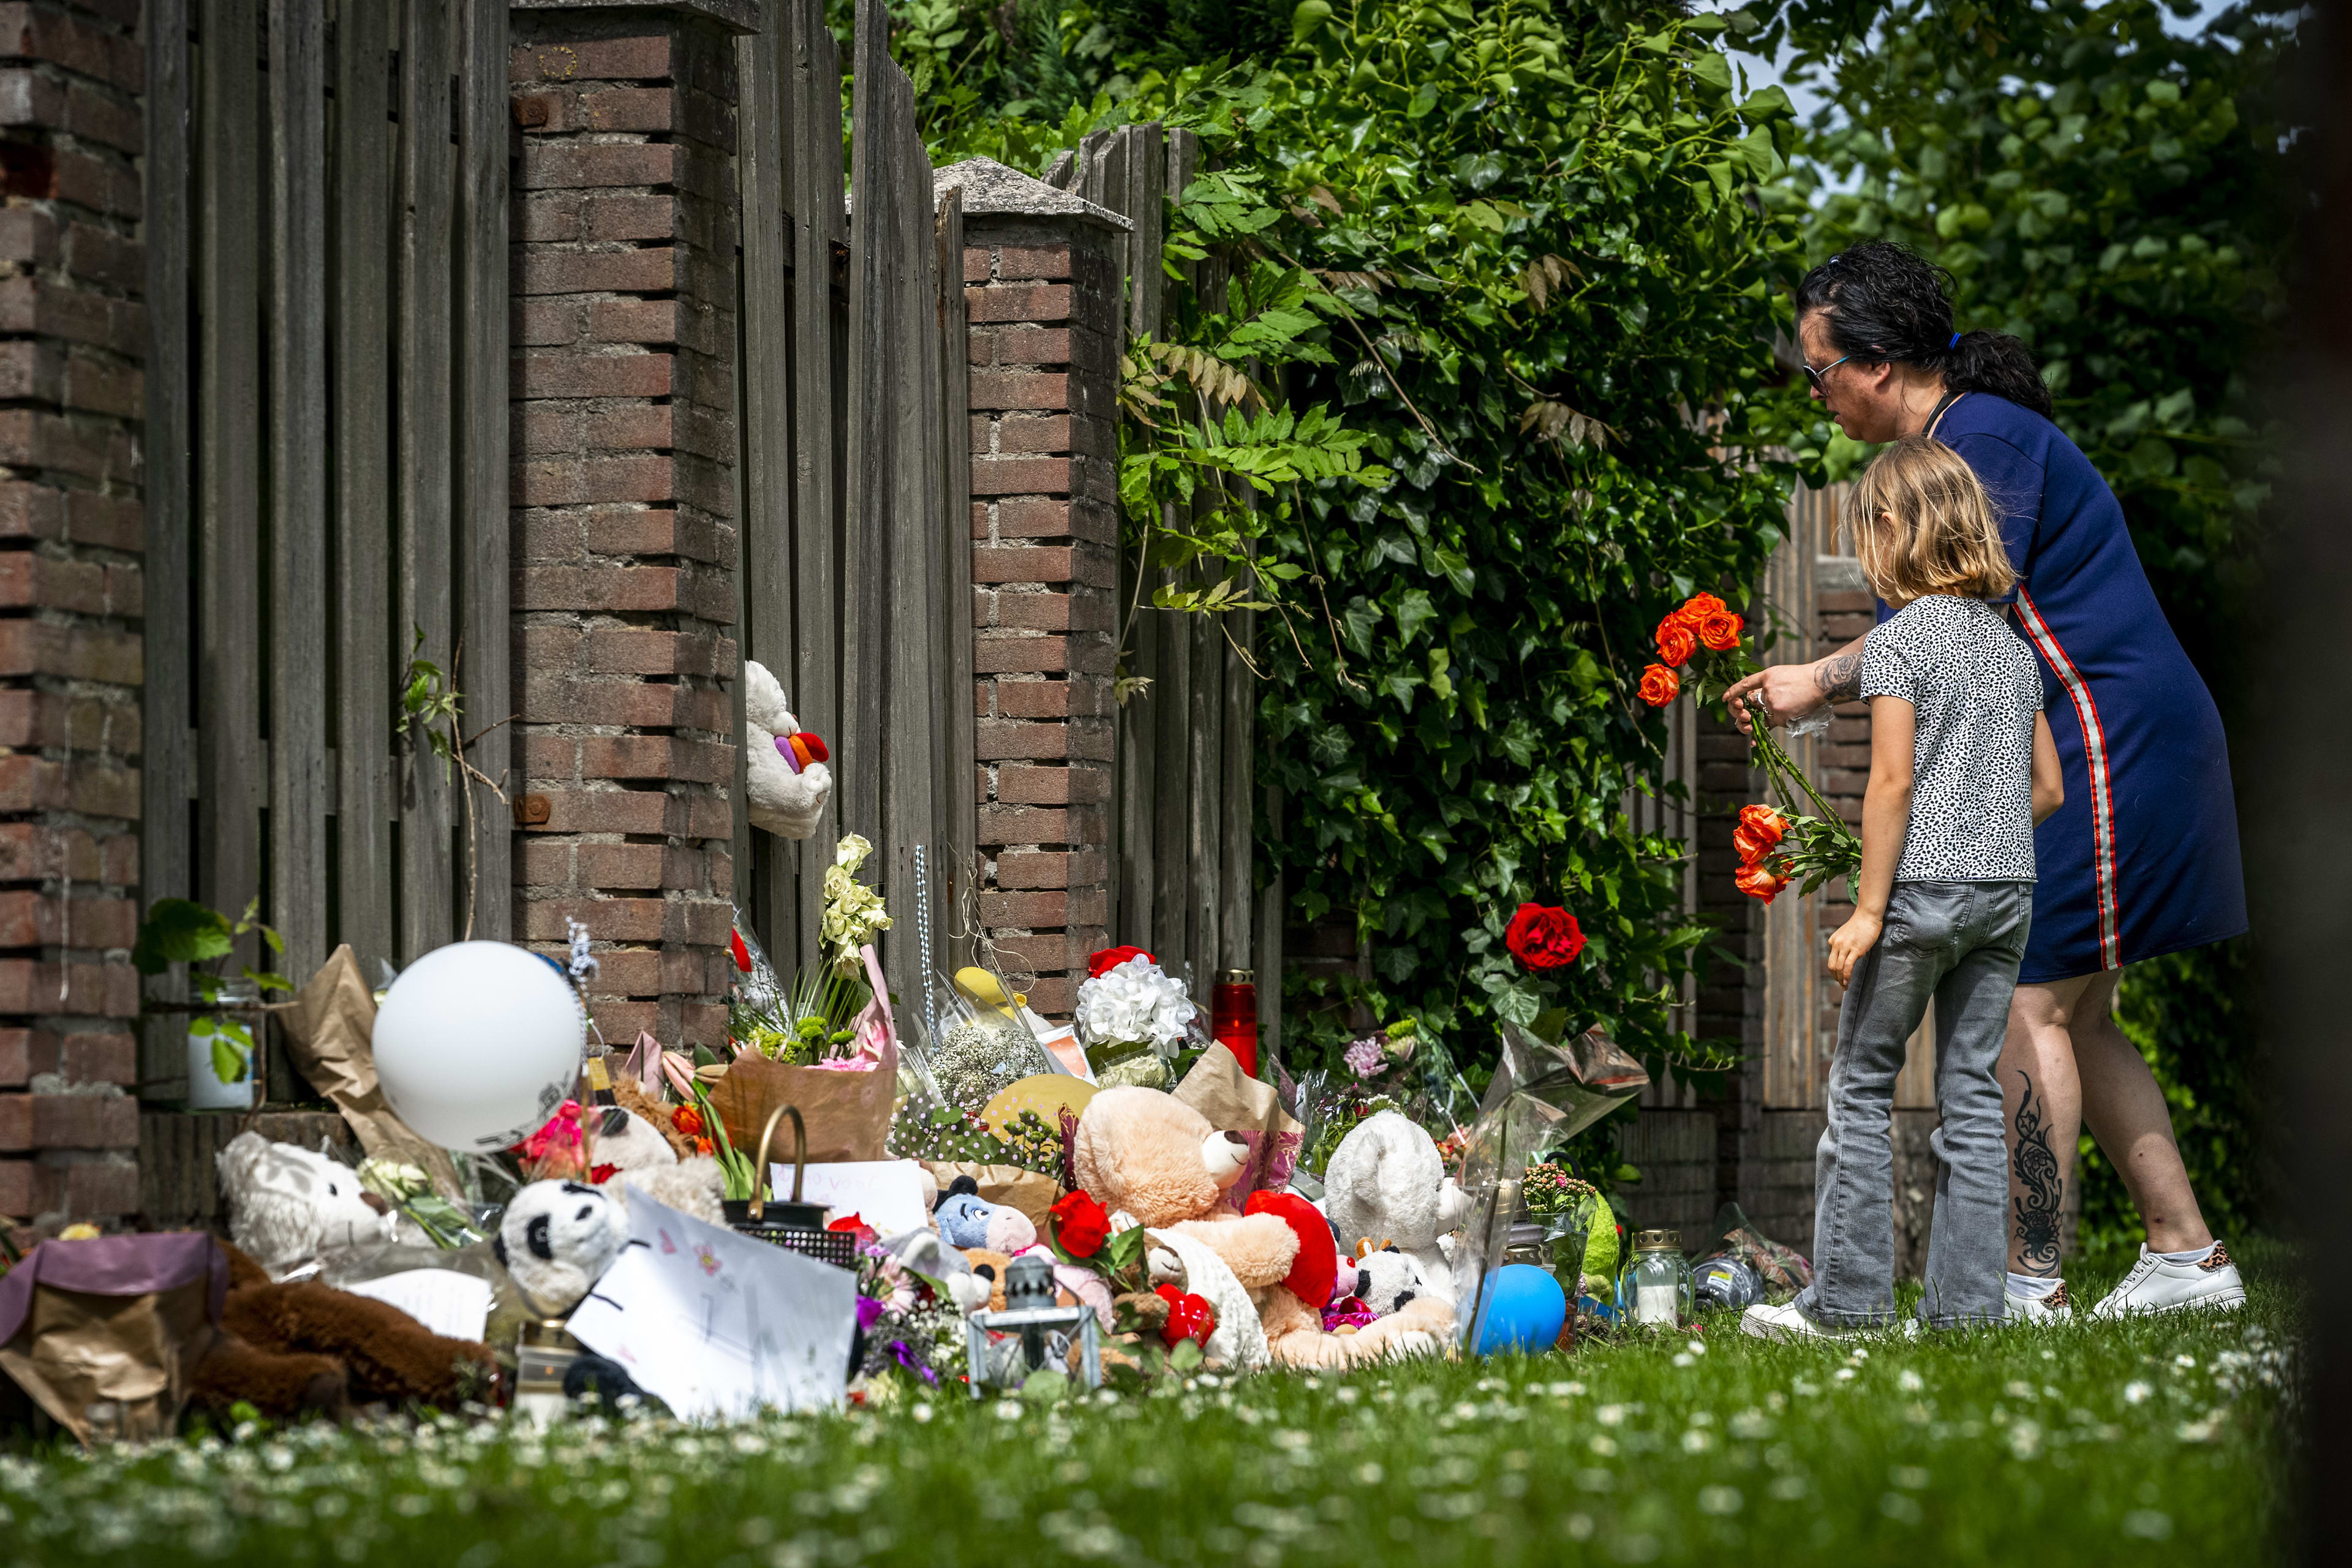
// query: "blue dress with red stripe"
[[2142, 859]]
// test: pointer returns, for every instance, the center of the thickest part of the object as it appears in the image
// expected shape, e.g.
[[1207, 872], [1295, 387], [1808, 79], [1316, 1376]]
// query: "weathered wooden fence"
[[1186, 794], [856, 536], [326, 465]]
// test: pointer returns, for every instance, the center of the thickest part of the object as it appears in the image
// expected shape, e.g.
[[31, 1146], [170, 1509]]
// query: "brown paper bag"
[[101, 1334], [1013, 1185], [1233, 1102], [330, 1025], [847, 1114]]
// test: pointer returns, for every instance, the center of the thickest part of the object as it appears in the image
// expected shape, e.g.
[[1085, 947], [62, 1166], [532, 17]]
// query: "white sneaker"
[[2156, 1284], [1790, 1323], [2054, 1308]]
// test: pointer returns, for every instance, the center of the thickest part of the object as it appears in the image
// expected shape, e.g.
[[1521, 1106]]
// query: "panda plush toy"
[[557, 1238], [1388, 1279]]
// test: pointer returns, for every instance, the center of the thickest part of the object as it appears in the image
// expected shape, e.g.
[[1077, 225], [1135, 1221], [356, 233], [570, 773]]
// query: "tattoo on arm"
[[1840, 678], [2038, 1202]]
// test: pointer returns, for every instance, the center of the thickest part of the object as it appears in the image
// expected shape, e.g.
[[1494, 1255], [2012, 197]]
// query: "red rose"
[[1189, 1316], [1660, 686], [1720, 631], [1080, 1225], [1543, 937], [1676, 640], [1760, 881], [742, 954], [1110, 958]]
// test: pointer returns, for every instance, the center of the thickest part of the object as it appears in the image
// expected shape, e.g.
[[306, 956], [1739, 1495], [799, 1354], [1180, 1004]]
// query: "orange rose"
[[1765, 822], [1676, 642], [1760, 881], [1720, 631], [1698, 606], [1660, 686]]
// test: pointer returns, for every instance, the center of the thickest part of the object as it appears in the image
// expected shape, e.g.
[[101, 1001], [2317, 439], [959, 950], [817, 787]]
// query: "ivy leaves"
[[1503, 255]]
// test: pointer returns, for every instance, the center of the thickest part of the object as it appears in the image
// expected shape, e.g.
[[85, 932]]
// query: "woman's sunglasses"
[[1815, 375]]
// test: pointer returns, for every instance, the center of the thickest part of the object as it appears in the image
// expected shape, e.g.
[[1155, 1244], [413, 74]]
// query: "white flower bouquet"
[[1132, 1018]]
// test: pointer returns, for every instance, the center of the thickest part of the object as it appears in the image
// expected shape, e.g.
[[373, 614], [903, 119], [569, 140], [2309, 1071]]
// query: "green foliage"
[[180, 931], [1518, 252]]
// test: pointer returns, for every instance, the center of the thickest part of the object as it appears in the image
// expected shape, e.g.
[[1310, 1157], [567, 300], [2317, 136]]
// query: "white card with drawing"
[[719, 1325]]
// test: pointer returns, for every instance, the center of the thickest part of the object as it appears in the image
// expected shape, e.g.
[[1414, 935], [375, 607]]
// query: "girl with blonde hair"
[[1962, 769]]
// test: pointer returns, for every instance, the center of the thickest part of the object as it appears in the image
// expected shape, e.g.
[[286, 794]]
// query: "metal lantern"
[[1002, 1349], [544, 1351]]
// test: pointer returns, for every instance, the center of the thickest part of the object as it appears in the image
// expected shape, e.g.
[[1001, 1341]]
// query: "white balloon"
[[477, 1044]]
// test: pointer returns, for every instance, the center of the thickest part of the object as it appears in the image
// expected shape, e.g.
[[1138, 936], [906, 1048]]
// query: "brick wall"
[[72, 397], [624, 441], [1043, 300]]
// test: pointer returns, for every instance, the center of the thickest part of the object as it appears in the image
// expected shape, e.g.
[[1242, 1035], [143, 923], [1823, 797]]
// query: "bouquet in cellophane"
[[1778, 845]]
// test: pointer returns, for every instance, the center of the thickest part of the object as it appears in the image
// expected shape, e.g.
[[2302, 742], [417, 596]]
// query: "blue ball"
[[1524, 1309]]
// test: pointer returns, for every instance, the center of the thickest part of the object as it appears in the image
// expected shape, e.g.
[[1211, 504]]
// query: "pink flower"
[[1364, 1057]]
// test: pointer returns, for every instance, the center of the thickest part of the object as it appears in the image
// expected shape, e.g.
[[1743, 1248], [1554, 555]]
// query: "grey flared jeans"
[[1955, 944]]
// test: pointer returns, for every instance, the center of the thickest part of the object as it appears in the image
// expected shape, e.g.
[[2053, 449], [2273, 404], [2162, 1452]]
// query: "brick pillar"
[[624, 289], [71, 281], [1042, 288]]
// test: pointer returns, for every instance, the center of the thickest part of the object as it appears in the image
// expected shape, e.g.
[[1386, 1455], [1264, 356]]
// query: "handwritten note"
[[719, 1325]]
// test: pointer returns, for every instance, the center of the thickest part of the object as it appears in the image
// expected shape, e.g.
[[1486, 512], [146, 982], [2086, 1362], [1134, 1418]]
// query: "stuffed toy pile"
[[1147, 1154]]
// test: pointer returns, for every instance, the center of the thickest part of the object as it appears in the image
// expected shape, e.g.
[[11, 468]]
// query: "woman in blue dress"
[[2142, 859]]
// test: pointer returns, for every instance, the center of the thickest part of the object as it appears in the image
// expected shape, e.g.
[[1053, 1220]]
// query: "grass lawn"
[[2159, 1440]]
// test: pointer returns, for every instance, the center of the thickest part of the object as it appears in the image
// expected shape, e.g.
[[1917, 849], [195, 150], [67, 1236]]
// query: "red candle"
[[1233, 1017]]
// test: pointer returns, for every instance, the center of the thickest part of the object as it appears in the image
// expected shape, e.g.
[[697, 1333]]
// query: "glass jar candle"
[[1232, 1015], [1655, 1285]]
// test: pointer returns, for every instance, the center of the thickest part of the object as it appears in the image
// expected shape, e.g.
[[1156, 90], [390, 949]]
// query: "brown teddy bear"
[[1157, 1159], [296, 1349]]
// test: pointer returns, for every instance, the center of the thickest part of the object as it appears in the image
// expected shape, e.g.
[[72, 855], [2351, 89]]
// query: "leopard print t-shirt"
[[1974, 687]]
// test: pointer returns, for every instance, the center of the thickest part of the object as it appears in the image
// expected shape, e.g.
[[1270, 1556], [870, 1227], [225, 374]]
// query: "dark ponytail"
[[1884, 302]]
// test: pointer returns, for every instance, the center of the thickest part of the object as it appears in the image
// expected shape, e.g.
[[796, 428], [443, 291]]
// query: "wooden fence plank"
[[1266, 949], [766, 873], [298, 488], [1237, 795], [483, 553], [960, 758], [166, 761], [865, 523], [427, 194], [1204, 893], [228, 734], [365, 628], [811, 115]]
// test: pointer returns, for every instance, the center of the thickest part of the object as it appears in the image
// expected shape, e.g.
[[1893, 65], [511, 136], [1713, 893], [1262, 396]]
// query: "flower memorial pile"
[[1777, 846]]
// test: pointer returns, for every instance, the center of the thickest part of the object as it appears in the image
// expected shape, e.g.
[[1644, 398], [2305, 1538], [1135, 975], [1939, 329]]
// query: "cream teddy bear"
[[784, 766], [1157, 1159]]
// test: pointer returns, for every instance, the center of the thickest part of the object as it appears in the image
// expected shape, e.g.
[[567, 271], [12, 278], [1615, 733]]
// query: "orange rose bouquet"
[[1701, 649]]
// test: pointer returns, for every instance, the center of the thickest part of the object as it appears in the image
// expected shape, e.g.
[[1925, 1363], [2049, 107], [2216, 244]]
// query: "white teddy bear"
[[286, 1204], [1386, 1183], [784, 766]]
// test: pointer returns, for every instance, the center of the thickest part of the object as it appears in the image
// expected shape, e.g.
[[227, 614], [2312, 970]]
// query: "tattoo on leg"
[[1839, 679], [2037, 1208]]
